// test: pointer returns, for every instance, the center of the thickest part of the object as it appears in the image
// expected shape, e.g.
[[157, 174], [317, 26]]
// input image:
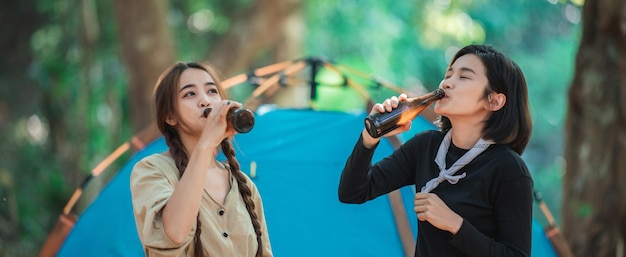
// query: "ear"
[[495, 101], [171, 121]]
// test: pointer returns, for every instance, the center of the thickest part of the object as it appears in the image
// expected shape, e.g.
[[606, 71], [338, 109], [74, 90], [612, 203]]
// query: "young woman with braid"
[[186, 203]]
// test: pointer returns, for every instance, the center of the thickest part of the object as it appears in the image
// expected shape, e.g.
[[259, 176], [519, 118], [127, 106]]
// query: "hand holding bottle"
[[216, 127], [237, 118], [396, 113], [387, 106]]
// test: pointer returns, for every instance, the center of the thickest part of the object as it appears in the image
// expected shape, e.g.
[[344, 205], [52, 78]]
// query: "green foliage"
[[79, 91]]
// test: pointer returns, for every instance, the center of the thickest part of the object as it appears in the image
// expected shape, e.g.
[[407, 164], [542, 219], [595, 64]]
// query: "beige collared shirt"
[[226, 230]]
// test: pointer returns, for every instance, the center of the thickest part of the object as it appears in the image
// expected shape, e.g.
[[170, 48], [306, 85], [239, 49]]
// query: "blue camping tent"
[[299, 155]]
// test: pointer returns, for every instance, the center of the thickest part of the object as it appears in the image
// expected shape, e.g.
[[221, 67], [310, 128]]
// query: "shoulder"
[[512, 181], [159, 160], [158, 164], [153, 177], [510, 164]]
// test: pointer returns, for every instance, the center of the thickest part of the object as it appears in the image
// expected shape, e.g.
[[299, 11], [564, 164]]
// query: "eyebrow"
[[463, 69], [209, 83]]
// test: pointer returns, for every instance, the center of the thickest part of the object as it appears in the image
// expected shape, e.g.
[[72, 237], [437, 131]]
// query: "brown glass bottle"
[[379, 124], [242, 120]]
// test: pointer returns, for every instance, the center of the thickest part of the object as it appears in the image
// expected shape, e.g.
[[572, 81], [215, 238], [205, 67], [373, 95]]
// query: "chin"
[[439, 110]]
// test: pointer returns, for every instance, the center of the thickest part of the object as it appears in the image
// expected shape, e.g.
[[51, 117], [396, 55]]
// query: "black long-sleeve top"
[[494, 199]]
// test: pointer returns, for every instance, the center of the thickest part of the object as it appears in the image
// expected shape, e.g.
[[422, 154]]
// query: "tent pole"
[[399, 212], [561, 247], [67, 219]]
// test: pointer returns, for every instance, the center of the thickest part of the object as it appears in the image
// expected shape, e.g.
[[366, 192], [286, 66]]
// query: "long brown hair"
[[165, 99]]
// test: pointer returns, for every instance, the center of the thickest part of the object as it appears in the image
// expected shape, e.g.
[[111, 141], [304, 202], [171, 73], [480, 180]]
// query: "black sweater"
[[495, 198]]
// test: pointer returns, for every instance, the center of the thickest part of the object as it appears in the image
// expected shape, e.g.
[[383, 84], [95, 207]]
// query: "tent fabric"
[[298, 156]]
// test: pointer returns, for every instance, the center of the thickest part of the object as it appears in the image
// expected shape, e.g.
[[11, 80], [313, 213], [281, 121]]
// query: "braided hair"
[[166, 100], [244, 190]]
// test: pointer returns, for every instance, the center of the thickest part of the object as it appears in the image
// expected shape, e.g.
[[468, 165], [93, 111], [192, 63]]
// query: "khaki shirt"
[[226, 230]]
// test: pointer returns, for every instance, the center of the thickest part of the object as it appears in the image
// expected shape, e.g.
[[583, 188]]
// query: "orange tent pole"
[[66, 220], [561, 247]]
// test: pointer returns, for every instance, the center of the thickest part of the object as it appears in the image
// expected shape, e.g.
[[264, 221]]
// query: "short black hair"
[[512, 123]]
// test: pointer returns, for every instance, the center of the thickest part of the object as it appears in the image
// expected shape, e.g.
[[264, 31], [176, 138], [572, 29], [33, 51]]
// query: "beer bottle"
[[379, 124], [242, 120]]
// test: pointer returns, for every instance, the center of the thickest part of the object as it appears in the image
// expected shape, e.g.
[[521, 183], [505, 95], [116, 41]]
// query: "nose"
[[445, 84], [204, 101]]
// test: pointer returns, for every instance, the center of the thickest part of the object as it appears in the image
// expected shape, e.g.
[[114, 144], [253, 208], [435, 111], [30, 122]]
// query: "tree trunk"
[[20, 97], [268, 32], [147, 49], [269, 28], [594, 206]]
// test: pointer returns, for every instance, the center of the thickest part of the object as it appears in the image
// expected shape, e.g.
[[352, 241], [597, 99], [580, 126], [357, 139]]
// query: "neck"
[[189, 142], [466, 135]]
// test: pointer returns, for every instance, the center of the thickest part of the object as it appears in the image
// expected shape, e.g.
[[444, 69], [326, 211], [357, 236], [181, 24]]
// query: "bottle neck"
[[427, 98]]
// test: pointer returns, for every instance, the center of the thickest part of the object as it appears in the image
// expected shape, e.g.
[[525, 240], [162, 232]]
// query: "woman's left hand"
[[429, 207]]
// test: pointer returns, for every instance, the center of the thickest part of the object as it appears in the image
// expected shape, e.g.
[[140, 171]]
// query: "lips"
[[205, 112]]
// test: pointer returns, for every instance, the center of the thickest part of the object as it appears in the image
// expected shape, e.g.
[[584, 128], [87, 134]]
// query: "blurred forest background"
[[77, 75]]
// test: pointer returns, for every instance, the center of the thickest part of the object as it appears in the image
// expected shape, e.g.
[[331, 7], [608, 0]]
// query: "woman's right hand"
[[215, 128], [386, 106]]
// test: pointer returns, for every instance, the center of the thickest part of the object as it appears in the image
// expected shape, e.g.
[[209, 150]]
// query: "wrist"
[[368, 141], [456, 225]]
